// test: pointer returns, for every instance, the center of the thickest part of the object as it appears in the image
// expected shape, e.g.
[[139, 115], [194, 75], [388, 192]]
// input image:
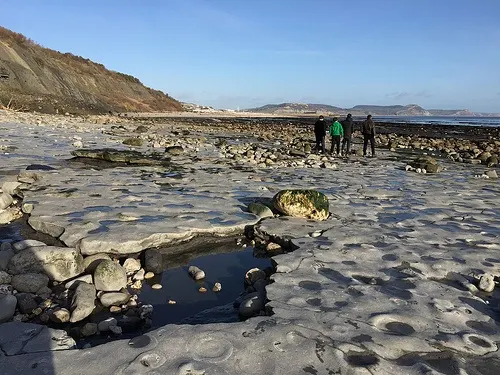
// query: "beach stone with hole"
[[109, 276], [310, 204]]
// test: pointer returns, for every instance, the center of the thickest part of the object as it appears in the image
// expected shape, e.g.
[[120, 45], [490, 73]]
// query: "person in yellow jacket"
[[337, 132]]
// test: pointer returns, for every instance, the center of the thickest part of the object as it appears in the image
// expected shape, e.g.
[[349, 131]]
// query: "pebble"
[[487, 283], [89, 329], [171, 302], [149, 275], [115, 309], [217, 287], [196, 273], [202, 290], [60, 315], [156, 286], [139, 275]]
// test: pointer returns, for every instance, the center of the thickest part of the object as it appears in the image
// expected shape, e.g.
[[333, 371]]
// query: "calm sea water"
[[442, 120]]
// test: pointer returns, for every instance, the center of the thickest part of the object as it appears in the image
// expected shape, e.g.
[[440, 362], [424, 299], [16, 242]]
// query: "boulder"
[[114, 299], [58, 263], [153, 261], [83, 302], [5, 278], [252, 305], [26, 303], [131, 265], [133, 142], [91, 262], [12, 188], [119, 156], [174, 150], [29, 282], [6, 254], [110, 276], [10, 214], [60, 315], [310, 204], [7, 307], [428, 163], [5, 201], [260, 210], [81, 279]]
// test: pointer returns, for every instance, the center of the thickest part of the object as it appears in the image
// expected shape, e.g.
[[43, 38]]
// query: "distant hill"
[[361, 110], [37, 78]]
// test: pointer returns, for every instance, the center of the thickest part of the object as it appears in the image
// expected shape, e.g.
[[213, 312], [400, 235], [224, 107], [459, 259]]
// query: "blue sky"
[[242, 53]]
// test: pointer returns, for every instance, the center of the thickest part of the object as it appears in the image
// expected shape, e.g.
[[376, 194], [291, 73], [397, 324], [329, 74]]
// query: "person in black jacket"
[[368, 130], [347, 125], [320, 132]]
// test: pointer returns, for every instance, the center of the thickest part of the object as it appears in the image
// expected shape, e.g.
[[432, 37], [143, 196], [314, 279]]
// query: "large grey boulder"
[[153, 261], [7, 307], [58, 263], [83, 302], [110, 276], [26, 303], [29, 282]]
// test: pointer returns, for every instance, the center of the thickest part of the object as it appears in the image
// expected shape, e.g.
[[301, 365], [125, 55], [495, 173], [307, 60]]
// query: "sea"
[[442, 120]]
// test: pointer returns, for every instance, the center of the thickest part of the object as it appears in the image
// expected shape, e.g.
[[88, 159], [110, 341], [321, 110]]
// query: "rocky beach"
[[383, 265]]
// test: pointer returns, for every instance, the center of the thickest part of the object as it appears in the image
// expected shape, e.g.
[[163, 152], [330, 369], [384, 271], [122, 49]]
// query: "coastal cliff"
[[34, 78]]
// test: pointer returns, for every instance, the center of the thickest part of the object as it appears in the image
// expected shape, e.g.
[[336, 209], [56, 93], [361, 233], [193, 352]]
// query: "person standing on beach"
[[347, 125], [320, 132], [368, 130], [336, 131]]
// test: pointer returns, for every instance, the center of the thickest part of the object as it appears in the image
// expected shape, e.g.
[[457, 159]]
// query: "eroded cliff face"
[[37, 78]]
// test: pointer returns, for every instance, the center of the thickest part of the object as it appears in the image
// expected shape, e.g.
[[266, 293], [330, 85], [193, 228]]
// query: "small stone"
[[131, 265], [139, 275], [89, 329], [149, 275], [171, 302], [116, 330], [491, 173], [156, 286], [145, 311], [5, 278], [83, 302], [7, 307], [5, 201], [196, 273], [105, 325], [272, 247], [114, 298], [202, 290], [153, 261], [487, 283], [217, 287], [44, 292], [60, 316], [251, 305], [115, 309], [37, 311], [136, 284], [44, 317], [6, 289]]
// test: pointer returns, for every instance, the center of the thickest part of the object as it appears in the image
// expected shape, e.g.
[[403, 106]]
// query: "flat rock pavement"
[[367, 291]]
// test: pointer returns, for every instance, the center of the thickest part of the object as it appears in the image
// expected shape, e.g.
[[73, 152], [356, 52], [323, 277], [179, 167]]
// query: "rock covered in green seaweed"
[[310, 204]]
